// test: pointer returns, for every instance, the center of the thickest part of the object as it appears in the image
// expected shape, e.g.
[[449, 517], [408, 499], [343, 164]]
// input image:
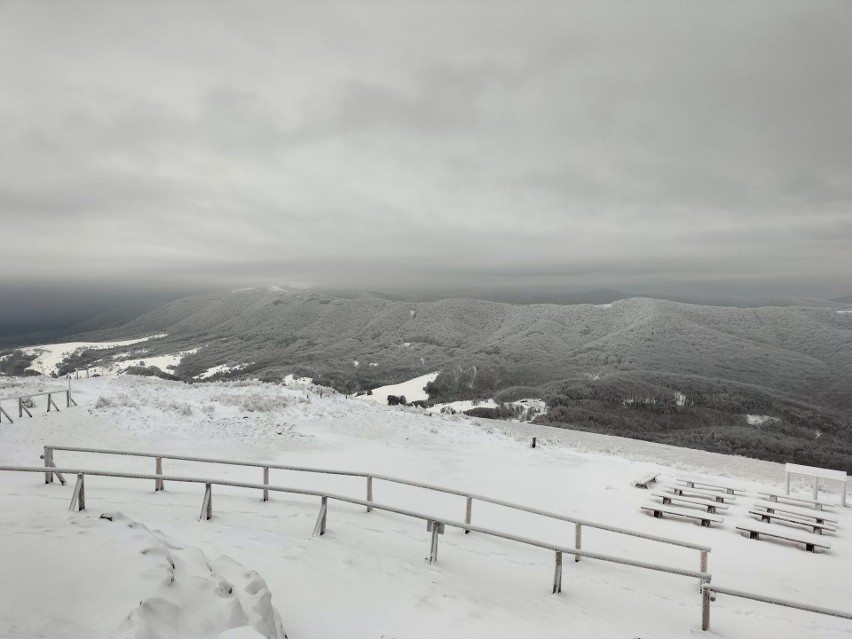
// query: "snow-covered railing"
[[434, 523], [469, 497], [23, 408], [709, 592]]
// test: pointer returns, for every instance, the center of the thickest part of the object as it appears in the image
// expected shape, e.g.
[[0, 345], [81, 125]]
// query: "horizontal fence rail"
[[709, 591], [434, 524], [370, 477]]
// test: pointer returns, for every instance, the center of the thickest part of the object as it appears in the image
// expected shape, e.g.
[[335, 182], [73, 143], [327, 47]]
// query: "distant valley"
[[770, 382]]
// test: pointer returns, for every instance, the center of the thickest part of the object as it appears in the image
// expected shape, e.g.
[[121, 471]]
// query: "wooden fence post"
[[22, 408], [703, 567], [557, 574], [437, 528], [319, 529], [3, 412], [369, 492], [78, 499], [467, 513], [705, 608], [158, 470], [578, 539], [50, 403], [266, 483], [207, 504], [48, 461]]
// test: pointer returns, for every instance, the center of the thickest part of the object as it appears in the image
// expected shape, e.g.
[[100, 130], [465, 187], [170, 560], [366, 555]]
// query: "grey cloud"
[[466, 144]]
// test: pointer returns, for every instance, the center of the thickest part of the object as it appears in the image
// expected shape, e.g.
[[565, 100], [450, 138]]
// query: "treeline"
[[699, 413], [16, 362]]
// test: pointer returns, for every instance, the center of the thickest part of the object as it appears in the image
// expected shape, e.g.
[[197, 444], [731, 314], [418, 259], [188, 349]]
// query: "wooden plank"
[[700, 492], [801, 501], [726, 488], [647, 479], [818, 516], [768, 517], [811, 541], [705, 518], [711, 506], [3, 412]]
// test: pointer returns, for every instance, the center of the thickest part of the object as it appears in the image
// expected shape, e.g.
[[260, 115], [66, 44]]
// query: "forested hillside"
[[661, 370]]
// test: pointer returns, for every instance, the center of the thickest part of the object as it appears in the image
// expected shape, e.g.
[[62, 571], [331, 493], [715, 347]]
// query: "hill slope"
[[666, 371], [366, 577]]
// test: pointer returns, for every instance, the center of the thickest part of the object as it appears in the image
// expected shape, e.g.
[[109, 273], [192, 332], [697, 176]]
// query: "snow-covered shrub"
[[256, 402], [181, 408], [122, 399]]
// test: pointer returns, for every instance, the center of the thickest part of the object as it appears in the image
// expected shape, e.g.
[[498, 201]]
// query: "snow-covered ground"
[[165, 363], [222, 368], [74, 574], [413, 390], [51, 355]]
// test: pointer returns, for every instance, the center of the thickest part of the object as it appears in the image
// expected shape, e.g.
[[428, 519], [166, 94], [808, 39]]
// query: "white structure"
[[816, 474]]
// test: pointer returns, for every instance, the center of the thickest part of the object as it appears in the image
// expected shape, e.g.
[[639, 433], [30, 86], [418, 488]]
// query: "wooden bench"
[[810, 503], [647, 479], [711, 506], [755, 530], [705, 518], [817, 515], [693, 483], [768, 517], [700, 492]]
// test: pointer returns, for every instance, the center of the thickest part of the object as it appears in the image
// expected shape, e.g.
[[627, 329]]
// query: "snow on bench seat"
[[647, 479], [810, 503], [700, 492], [768, 517], [756, 529], [772, 506], [705, 518], [692, 483], [710, 505]]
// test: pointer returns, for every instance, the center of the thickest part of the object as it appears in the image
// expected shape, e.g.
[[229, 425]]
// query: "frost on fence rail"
[[708, 592], [435, 524], [370, 477]]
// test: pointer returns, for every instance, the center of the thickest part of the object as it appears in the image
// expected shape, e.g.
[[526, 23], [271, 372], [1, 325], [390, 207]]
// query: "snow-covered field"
[[170, 575], [49, 356], [413, 390]]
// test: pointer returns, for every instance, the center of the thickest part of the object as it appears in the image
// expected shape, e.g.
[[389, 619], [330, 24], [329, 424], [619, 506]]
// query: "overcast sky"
[[392, 145]]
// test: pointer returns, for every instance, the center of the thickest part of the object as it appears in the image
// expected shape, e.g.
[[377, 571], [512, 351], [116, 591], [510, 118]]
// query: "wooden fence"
[[434, 524], [23, 408], [371, 477]]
